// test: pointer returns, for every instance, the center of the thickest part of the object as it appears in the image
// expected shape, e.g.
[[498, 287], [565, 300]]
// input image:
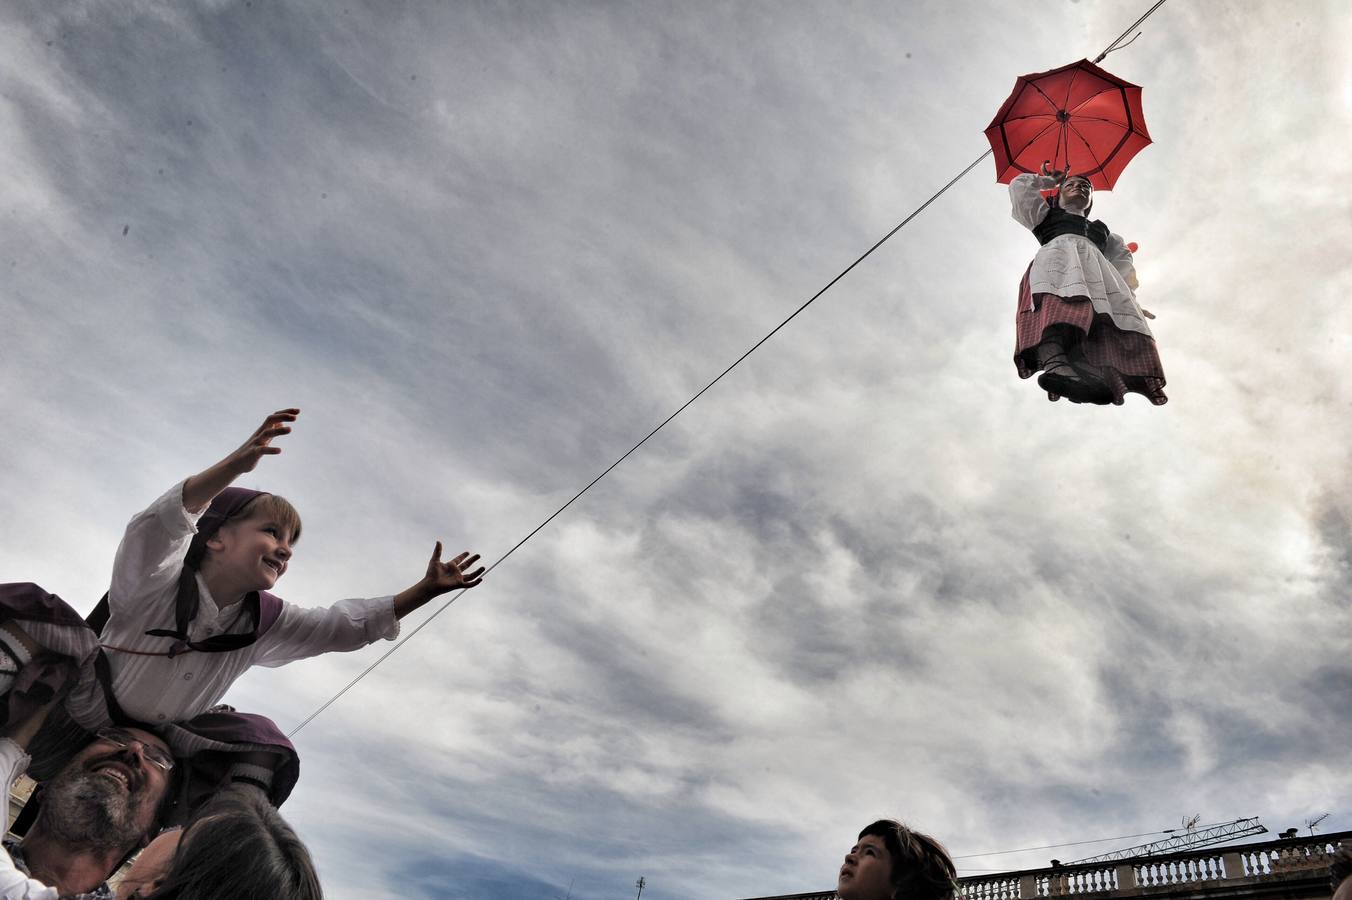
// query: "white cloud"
[[870, 573]]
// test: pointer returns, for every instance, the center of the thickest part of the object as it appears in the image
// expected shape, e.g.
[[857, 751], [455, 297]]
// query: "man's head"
[[108, 798]]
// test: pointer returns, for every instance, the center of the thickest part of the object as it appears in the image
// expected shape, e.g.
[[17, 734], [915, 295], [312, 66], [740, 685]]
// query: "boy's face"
[[253, 551], [867, 872]]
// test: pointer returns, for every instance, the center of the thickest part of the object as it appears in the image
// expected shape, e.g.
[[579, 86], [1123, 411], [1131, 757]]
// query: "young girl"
[[892, 862], [189, 610], [1078, 320]]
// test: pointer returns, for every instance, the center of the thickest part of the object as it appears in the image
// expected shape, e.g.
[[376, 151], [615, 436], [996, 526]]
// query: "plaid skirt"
[[1128, 360]]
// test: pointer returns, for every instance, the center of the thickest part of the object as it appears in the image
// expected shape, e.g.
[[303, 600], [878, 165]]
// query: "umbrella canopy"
[[1077, 117]]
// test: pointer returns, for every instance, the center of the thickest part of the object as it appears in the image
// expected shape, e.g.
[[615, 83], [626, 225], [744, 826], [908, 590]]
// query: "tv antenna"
[[1312, 822], [1185, 839], [640, 884], [1190, 823]]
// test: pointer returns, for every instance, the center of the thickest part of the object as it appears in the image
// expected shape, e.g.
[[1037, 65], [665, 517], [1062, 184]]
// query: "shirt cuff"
[[175, 518], [383, 624]]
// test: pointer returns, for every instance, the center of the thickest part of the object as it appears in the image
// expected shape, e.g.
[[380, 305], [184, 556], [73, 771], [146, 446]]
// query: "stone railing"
[[1269, 860], [1212, 868]]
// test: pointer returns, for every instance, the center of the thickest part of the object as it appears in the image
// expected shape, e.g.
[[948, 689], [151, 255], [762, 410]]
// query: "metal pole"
[[640, 884]]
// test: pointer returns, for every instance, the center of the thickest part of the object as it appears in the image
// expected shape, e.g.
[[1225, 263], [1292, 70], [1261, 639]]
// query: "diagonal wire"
[[455, 595]]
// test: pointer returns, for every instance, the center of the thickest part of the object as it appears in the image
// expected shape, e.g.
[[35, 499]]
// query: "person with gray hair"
[[236, 846], [104, 805]]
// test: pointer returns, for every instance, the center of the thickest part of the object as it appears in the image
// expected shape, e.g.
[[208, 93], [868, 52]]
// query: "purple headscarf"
[[264, 607]]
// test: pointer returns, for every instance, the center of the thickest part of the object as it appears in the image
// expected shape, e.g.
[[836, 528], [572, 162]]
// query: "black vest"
[[1059, 222]]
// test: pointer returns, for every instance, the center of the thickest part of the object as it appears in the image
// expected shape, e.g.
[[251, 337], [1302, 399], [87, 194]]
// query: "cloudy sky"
[[487, 246]]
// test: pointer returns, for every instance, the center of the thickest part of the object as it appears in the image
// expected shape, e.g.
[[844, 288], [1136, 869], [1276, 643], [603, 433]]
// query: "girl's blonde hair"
[[271, 506]]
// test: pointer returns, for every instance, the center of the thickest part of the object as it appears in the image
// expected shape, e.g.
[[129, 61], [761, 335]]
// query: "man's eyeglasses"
[[120, 739]]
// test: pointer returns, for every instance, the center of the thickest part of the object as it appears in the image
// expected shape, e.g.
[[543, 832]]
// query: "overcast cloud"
[[487, 246]]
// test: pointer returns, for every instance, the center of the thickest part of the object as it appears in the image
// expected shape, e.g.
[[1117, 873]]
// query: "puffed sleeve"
[[150, 557], [1121, 258], [1025, 196]]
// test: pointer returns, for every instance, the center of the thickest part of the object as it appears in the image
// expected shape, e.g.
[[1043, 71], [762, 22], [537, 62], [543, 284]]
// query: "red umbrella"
[[1078, 117]]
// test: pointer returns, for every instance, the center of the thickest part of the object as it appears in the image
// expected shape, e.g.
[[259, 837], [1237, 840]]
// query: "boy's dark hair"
[[238, 845], [921, 867]]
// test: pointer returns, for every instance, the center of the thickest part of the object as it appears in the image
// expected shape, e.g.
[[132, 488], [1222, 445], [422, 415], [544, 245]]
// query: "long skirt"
[[1127, 360]]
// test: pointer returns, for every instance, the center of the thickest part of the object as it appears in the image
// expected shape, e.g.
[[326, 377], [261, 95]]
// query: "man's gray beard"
[[88, 810]]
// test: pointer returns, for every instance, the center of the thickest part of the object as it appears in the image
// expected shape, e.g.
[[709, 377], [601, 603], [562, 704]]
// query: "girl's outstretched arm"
[[441, 578], [202, 488]]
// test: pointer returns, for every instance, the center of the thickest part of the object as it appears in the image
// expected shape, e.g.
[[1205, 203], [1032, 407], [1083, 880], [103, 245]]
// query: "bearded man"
[[96, 811]]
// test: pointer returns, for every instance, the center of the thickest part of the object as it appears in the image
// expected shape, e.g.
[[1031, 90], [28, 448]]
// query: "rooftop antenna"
[[1185, 839], [1311, 823], [1190, 823], [640, 884]]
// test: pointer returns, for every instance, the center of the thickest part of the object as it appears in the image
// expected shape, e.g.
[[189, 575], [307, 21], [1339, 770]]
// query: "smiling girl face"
[[252, 552]]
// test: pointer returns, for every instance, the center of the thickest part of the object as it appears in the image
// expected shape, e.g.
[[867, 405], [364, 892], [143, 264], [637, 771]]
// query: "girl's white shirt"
[[143, 594]]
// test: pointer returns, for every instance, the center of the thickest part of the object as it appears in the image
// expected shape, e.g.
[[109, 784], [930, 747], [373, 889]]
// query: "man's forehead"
[[147, 737]]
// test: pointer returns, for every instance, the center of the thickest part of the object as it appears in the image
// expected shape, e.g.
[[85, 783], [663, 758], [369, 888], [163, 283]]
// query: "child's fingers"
[[262, 440], [278, 418], [275, 420]]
